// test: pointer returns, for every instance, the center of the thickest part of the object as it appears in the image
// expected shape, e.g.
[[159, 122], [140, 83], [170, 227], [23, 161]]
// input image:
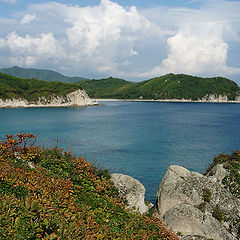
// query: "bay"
[[140, 139]]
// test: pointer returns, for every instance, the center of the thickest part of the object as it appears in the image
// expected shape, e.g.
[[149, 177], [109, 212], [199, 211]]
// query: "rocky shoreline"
[[192, 205], [78, 98], [211, 98]]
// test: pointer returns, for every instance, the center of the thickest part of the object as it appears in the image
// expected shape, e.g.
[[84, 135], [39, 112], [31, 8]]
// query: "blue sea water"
[[140, 139]]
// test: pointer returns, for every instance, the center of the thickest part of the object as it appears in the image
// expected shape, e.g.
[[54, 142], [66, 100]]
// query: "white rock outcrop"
[[77, 98], [194, 204], [218, 172], [131, 190]]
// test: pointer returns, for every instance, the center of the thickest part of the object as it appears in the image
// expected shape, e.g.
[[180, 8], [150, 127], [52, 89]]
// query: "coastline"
[[78, 98], [165, 100]]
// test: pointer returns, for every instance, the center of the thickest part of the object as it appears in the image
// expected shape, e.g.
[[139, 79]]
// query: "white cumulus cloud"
[[28, 18], [29, 50], [109, 39]]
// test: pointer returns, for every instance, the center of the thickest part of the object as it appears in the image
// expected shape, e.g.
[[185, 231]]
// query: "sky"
[[134, 40]]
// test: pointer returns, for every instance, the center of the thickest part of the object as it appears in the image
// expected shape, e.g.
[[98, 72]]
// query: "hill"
[[46, 75], [104, 88], [32, 89], [170, 86], [177, 86], [51, 194]]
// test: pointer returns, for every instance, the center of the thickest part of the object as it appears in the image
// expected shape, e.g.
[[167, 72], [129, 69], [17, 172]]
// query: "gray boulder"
[[218, 172], [187, 219], [131, 190], [180, 186]]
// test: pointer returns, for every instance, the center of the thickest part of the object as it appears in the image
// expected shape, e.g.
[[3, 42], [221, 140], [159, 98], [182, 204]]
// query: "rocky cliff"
[[77, 98]]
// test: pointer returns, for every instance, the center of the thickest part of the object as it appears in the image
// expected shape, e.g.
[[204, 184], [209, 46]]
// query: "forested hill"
[[46, 75], [170, 86], [104, 88], [31, 89]]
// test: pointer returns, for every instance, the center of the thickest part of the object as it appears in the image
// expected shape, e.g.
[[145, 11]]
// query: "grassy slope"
[[46, 75], [32, 89], [64, 197]]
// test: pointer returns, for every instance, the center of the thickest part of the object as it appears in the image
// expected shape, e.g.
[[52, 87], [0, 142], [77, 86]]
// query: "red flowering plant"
[[19, 148]]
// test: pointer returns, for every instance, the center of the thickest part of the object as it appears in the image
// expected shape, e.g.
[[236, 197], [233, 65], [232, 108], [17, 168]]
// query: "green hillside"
[[46, 75], [103, 88], [170, 86], [61, 196], [178, 86], [32, 89]]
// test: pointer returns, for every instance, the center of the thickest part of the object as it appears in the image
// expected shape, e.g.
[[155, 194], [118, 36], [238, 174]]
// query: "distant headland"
[[53, 88]]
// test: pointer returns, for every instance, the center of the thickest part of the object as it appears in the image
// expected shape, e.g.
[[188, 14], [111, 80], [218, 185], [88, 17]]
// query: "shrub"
[[63, 197], [207, 195]]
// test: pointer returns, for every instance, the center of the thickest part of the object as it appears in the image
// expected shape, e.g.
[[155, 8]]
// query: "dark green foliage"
[[207, 195], [103, 88], [152, 211], [103, 173], [218, 214], [20, 192], [170, 86], [219, 159], [46, 75], [32, 89], [180, 87]]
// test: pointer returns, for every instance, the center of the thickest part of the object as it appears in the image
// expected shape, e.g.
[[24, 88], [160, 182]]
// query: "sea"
[[140, 139]]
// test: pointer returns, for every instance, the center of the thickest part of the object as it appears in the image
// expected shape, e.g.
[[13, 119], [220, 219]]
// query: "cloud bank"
[[109, 39]]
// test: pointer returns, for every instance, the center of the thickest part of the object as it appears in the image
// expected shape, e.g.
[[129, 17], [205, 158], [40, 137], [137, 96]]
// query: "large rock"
[[131, 190], [180, 186], [218, 172], [187, 219]]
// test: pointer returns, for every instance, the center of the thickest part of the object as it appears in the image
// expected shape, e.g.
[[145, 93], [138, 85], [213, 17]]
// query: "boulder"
[[218, 172], [180, 186], [131, 190], [186, 219]]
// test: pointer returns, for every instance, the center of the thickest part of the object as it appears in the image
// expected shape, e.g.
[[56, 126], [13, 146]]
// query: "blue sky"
[[134, 40]]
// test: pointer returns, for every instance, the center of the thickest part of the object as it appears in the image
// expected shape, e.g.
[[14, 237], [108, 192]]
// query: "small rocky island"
[[195, 206]]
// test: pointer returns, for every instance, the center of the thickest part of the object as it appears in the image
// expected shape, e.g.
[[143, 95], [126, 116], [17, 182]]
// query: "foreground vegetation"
[[170, 86], [32, 89], [50, 194]]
